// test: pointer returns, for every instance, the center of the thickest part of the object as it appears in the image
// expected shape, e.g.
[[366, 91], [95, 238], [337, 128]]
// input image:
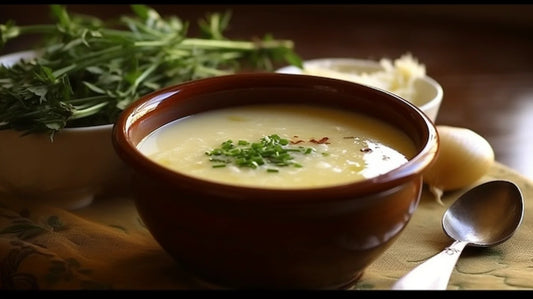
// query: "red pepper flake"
[[324, 140], [297, 141], [366, 150]]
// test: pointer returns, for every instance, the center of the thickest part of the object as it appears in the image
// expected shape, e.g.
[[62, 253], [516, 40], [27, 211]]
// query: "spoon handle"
[[434, 273]]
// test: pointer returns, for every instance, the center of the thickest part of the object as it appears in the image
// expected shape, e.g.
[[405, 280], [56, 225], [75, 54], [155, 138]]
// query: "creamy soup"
[[319, 146]]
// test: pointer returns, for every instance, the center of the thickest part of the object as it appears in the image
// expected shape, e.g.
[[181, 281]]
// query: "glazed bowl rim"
[[126, 149]]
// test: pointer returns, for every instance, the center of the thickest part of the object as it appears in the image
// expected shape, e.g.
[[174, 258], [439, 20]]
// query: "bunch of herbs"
[[87, 71]]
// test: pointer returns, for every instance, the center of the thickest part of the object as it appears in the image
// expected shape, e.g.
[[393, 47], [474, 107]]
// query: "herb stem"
[[241, 45], [80, 113]]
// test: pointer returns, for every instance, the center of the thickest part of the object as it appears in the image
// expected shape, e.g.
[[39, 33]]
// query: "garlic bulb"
[[463, 158]]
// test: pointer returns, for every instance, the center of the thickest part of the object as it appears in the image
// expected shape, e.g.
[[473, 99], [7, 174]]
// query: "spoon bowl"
[[486, 215]]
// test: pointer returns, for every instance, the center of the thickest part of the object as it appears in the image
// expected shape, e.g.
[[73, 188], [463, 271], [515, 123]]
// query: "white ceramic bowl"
[[69, 172], [428, 92]]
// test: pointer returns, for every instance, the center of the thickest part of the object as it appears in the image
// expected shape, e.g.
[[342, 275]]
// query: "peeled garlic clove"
[[463, 158]]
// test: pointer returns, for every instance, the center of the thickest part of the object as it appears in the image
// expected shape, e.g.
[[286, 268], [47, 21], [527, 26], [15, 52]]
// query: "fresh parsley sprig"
[[88, 70]]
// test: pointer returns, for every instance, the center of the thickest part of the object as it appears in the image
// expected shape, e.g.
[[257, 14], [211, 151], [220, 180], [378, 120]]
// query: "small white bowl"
[[69, 172], [428, 92], [66, 173]]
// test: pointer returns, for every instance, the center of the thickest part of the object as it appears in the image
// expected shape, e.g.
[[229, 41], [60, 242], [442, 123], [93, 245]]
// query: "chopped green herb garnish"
[[272, 150]]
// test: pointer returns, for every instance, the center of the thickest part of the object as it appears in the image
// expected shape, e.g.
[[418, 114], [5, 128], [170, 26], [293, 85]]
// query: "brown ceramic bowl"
[[252, 237]]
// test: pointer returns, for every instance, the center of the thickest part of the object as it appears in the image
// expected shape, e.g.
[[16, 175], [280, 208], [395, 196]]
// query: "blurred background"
[[482, 55]]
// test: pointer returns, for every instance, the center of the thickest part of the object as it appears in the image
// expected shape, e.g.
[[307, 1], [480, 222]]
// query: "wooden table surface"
[[482, 55]]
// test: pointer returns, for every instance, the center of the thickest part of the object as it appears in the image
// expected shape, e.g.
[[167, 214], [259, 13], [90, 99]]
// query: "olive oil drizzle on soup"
[[347, 147]]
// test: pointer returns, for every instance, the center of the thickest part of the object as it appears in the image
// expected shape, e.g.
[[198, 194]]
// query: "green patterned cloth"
[[106, 246]]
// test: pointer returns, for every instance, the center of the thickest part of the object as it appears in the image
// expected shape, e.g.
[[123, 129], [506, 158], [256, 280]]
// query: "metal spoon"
[[484, 216]]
